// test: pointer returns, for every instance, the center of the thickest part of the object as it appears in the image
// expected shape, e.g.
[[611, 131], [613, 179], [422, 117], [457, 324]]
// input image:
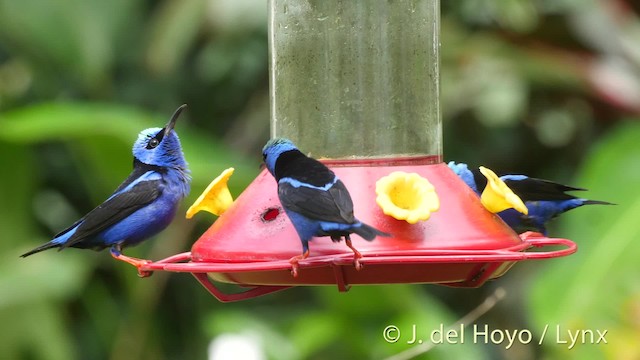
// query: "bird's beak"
[[172, 122]]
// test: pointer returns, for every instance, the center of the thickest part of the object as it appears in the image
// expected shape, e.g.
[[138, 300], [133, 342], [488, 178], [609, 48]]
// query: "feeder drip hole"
[[270, 214]]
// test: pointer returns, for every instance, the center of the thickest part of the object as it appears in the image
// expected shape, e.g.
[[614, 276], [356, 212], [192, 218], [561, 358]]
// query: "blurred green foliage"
[[598, 288], [549, 88]]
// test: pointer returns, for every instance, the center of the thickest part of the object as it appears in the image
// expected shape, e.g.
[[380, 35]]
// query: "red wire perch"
[[176, 263], [274, 276]]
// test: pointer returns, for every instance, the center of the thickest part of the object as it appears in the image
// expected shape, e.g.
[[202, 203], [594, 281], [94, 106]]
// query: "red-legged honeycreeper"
[[316, 201], [142, 206], [544, 199]]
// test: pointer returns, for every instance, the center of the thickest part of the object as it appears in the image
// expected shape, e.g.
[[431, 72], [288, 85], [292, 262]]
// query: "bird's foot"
[[294, 261], [138, 263], [356, 263], [356, 254]]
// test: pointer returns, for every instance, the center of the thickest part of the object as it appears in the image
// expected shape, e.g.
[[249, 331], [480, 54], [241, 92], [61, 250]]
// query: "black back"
[[294, 164]]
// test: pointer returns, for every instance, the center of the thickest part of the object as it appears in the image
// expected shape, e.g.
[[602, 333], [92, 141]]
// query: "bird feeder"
[[356, 85]]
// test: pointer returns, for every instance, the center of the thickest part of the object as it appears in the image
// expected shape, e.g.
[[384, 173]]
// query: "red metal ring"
[[515, 253]]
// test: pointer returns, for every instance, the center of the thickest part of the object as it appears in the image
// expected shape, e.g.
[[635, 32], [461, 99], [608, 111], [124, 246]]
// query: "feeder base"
[[453, 268]]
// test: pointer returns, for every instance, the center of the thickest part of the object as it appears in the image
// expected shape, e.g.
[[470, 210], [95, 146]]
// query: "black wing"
[[532, 189], [115, 209], [332, 205]]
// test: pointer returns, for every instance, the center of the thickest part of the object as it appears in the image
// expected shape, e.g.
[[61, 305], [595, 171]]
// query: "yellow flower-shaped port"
[[497, 196], [216, 198], [406, 196]]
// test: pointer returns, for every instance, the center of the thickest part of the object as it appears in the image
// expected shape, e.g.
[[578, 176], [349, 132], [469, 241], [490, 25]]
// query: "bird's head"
[[466, 175], [161, 146], [272, 150]]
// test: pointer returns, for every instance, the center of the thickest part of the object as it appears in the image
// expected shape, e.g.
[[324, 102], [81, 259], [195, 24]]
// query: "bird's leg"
[[116, 252], [294, 262], [356, 253]]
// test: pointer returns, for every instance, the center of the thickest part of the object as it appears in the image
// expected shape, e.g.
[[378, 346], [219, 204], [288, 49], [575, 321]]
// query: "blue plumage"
[[142, 206], [314, 198], [544, 199]]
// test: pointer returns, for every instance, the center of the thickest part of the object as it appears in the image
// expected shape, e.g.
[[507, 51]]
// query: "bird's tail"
[[597, 202], [46, 246], [369, 232]]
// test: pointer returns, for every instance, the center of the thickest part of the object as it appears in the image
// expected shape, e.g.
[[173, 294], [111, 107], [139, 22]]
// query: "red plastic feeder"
[[358, 85], [462, 244]]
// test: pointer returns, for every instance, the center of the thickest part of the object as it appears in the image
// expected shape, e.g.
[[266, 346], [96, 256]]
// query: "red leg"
[[133, 261], [356, 253], [294, 262]]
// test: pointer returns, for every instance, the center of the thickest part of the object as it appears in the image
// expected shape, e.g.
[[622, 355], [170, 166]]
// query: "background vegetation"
[[550, 88]]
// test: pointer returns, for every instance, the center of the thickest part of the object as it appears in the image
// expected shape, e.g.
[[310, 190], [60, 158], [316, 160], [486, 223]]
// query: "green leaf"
[[596, 288], [67, 121]]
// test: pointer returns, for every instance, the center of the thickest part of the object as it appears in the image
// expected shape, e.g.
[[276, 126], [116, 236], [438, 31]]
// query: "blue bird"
[[315, 200], [544, 199], [142, 206]]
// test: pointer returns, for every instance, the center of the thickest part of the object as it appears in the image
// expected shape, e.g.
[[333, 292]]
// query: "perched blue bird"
[[142, 206], [316, 201], [544, 199]]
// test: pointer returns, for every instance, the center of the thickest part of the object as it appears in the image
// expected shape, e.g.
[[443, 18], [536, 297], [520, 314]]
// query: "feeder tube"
[[356, 78]]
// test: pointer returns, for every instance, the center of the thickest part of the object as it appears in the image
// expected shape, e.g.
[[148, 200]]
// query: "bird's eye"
[[153, 143]]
